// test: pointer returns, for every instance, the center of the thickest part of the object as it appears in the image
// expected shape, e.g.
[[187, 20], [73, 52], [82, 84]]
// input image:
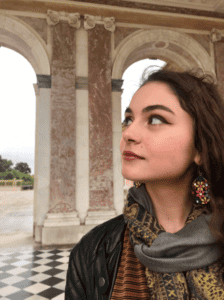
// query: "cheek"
[[174, 144]]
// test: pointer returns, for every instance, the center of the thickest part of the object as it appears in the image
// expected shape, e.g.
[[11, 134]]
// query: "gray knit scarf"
[[191, 248]]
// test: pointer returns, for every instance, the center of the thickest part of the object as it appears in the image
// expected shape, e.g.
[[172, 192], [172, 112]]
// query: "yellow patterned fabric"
[[200, 284]]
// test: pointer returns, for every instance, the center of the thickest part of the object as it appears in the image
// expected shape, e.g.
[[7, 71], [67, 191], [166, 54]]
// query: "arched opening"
[[17, 35], [132, 76], [179, 50], [17, 119]]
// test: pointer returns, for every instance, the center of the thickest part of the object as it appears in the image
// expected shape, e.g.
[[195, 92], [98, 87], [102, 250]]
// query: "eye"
[[124, 124], [156, 118], [159, 120]]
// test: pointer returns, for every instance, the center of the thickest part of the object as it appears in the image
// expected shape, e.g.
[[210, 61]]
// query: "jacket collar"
[[107, 260]]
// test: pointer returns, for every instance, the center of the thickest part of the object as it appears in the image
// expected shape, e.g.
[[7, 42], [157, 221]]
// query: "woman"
[[168, 243]]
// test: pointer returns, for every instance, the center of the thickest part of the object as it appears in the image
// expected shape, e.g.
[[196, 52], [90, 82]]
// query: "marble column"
[[42, 154], [63, 109], [118, 186], [101, 198], [216, 40], [62, 217], [82, 124], [37, 93]]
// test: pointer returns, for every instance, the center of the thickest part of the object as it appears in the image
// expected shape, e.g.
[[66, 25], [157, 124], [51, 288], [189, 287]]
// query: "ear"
[[198, 159]]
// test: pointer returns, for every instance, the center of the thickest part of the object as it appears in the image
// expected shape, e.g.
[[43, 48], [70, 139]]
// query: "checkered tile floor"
[[34, 274]]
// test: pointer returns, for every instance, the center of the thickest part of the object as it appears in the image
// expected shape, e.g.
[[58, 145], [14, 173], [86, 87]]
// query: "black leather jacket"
[[94, 262]]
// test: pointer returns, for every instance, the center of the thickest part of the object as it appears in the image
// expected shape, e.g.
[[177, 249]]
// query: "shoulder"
[[93, 257], [106, 235]]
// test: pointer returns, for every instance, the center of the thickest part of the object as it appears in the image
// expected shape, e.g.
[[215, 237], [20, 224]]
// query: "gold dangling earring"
[[200, 190], [137, 184]]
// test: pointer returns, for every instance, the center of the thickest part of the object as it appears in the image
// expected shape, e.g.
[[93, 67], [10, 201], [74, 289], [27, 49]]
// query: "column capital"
[[53, 18], [215, 35], [74, 20], [90, 21], [109, 23]]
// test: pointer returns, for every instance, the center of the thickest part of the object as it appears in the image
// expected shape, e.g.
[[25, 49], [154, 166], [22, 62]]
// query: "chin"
[[130, 178]]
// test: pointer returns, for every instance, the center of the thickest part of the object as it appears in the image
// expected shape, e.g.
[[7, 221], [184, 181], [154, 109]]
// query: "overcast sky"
[[18, 108], [18, 103], [132, 78]]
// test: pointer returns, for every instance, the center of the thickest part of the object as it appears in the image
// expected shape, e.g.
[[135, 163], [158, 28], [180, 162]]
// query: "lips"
[[131, 154]]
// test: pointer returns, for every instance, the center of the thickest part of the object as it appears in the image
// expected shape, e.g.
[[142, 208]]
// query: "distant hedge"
[[17, 184], [27, 179]]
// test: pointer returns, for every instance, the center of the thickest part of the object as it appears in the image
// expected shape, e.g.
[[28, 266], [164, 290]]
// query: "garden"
[[20, 173]]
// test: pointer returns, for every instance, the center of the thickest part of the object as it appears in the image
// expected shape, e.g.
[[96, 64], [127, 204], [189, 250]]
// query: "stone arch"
[[172, 46], [20, 37]]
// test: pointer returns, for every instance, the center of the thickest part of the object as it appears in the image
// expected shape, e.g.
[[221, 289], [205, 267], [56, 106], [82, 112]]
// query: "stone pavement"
[[16, 213], [27, 269]]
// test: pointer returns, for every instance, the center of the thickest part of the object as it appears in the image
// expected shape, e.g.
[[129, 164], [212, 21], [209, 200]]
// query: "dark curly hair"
[[199, 97]]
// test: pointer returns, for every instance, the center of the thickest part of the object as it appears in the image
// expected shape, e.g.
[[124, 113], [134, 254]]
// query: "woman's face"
[[163, 137]]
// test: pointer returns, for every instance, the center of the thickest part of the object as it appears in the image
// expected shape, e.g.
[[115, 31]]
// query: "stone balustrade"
[[14, 182]]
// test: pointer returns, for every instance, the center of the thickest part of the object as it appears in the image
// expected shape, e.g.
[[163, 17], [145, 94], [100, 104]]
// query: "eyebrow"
[[150, 108]]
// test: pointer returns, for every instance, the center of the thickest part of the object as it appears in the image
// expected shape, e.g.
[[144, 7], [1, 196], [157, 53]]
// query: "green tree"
[[23, 167], [5, 165], [15, 174], [9, 176]]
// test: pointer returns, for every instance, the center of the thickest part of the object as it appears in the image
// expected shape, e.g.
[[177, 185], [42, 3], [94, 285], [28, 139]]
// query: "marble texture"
[[100, 120], [121, 33], [63, 121], [156, 49], [219, 64], [185, 54], [202, 39], [81, 83], [39, 25], [178, 47], [118, 179], [42, 159], [82, 125]]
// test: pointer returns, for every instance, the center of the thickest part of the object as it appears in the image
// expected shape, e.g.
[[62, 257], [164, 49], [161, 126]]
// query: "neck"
[[172, 203]]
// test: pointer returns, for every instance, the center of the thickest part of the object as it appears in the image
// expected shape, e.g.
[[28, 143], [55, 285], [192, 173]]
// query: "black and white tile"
[[34, 274]]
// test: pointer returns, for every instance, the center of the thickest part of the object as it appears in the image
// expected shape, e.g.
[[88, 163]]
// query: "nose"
[[131, 134]]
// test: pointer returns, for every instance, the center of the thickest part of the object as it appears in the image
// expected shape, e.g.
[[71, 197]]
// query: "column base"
[[61, 219], [99, 217], [62, 229], [64, 235], [38, 233]]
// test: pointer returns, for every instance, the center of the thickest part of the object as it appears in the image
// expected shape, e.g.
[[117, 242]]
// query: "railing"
[[14, 182], [127, 184]]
